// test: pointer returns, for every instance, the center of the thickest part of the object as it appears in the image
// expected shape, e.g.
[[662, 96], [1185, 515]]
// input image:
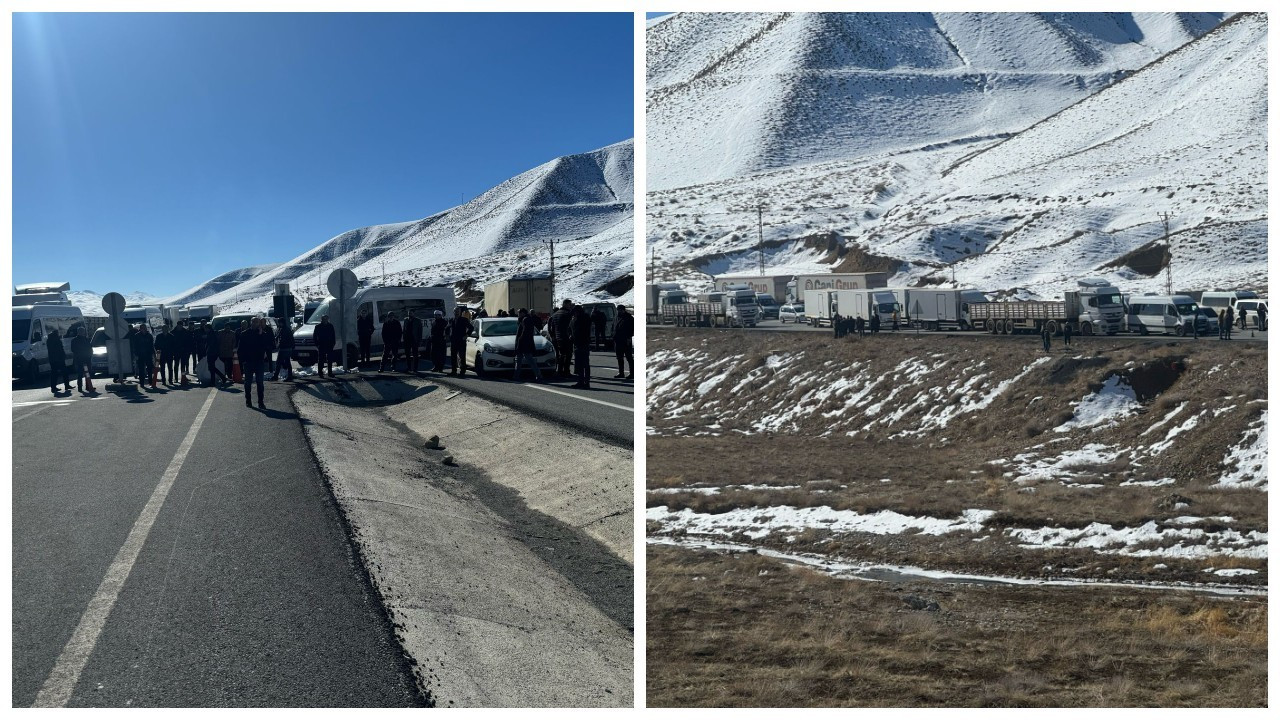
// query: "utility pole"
[[653, 250], [760, 230], [1168, 268], [551, 245]]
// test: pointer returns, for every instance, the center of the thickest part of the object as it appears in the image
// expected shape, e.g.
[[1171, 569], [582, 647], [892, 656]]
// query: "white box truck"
[[936, 308], [532, 292], [800, 284]]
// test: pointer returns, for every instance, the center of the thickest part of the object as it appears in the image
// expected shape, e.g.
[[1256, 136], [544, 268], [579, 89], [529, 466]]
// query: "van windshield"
[[318, 313], [1186, 308], [21, 330]]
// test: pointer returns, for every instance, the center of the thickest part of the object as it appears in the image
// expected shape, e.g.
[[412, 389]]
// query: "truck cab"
[[739, 303], [1097, 306]]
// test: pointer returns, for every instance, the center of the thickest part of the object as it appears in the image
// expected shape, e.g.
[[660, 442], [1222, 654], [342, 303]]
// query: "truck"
[[820, 306], [775, 285], [532, 292], [1094, 307], [658, 296], [936, 308], [800, 284], [201, 313], [735, 307]]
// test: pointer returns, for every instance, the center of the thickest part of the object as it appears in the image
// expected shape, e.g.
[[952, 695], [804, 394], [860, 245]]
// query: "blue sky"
[[154, 151]]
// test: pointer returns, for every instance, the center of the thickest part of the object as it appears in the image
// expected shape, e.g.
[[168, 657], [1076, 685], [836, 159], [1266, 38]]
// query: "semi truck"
[[532, 292], [775, 285], [936, 308], [800, 284], [658, 296], [820, 306], [735, 307], [1095, 307]]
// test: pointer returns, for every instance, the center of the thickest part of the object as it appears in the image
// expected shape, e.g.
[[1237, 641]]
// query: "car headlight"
[[488, 347]]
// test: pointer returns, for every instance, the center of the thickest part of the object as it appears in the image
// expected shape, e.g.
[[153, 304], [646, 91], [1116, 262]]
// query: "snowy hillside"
[[772, 90], [90, 302], [584, 202], [1076, 191]]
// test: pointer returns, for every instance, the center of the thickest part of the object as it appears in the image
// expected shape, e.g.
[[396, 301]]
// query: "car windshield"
[[21, 330], [1186, 308], [498, 328], [319, 312], [766, 300]]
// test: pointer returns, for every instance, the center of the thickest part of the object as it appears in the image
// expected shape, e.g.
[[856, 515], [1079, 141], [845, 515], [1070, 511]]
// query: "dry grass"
[[742, 630]]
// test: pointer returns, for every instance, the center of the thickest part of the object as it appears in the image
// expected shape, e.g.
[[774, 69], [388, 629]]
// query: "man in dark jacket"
[[412, 341], [165, 343], [623, 330], [561, 336], [144, 349], [580, 332], [255, 345], [227, 349], [1262, 317], [459, 328], [1231, 320], [82, 358], [326, 336], [391, 334], [439, 337], [213, 346], [526, 348], [284, 347], [181, 348], [57, 361], [199, 334], [599, 320], [364, 328]]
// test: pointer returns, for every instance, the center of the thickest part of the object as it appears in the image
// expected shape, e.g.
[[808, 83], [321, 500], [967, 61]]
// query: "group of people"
[[843, 326], [435, 334], [570, 331]]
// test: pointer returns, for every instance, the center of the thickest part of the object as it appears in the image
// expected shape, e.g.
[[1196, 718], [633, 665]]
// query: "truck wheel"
[[1006, 328], [990, 326], [1053, 327], [1086, 329]]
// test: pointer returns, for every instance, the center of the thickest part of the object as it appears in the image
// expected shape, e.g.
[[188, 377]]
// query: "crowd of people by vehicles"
[[171, 354]]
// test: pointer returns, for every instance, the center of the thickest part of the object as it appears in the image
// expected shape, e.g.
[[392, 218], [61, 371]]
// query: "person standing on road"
[[213, 346], [183, 345], [526, 329], [599, 320], [284, 345], [1231, 319], [560, 336], [875, 325], [581, 333], [624, 327], [57, 361], [1222, 324], [391, 334], [1244, 319], [326, 336], [1066, 334], [412, 341], [82, 359], [895, 320], [255, 346], [364, 328], [198, 336], [459, 328], [144, 348], [166, 343], [227, 337], [837, 324], [1045, 335], [439, 337], [1262, 317]]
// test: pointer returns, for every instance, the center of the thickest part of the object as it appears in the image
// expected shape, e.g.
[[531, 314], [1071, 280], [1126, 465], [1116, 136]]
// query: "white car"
[[491, 347], [793, 312]]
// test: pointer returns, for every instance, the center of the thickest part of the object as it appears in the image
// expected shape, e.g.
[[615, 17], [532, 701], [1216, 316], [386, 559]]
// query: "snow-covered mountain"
[[584, 202], [90, 302], [915, 183]]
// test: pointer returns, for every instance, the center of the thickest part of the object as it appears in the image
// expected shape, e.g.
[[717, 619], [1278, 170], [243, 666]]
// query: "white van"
[[1164, 313], [152, 315], [1250, 309], [31, 325], [1228, 299], [378, 303]]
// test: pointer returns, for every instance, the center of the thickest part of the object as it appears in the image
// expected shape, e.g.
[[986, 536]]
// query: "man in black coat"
[[212, 345], [284, 348], [580, 332], [526, 347], [412, 341], [391, 334], [439, 336], [599, 320], [561, 336], [144, 350], [82, 358], [57, 361], [256, 344], [165, 344], [459, 328], [364, 328], [181, 349], [326, 336], [623, 330]]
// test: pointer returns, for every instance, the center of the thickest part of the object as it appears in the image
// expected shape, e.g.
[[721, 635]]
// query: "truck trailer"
[[1096, 307], [532, 292], [800, 284], [936, 308]]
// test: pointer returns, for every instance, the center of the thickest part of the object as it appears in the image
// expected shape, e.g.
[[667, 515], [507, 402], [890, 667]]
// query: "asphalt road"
[[243, 592]]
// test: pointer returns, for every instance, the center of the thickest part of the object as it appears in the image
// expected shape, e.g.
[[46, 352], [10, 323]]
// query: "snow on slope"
[[90, 302], [584, 202], [1070, 196], [773, 90], [225, 281]]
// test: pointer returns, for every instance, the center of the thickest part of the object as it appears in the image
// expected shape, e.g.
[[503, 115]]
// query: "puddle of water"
[[903, 573]]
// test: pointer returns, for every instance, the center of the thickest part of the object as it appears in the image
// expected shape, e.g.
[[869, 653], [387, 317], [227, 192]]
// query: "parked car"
[[1211, 320], [1250, 310], [491, 347], [791, 311]]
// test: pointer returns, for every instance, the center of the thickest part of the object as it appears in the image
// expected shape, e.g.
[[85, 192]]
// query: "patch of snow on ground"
[[1116, 400], [1149, 483], [759, 522], [1166, 418], [1233, 572], [1247, 459], [1172, 542], [1060, 467], [1173, 433]]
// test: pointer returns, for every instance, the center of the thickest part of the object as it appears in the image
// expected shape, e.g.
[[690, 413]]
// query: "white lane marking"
[[61, 682], [579, 397], [33, 412], [29, 403]]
